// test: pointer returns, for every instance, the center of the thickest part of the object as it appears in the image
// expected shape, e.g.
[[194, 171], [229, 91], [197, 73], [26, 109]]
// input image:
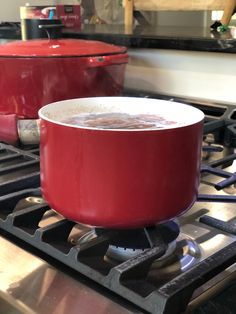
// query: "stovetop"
[[157, 279]]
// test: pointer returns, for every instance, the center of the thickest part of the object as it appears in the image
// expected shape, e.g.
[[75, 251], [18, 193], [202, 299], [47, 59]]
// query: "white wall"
[[199, 75], [10, 9], [179, 18]]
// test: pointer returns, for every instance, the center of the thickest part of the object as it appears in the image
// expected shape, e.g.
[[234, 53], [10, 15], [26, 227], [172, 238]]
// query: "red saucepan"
[[120, 178]]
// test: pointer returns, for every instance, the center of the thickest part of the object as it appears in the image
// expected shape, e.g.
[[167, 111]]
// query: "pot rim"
[[65, 108]]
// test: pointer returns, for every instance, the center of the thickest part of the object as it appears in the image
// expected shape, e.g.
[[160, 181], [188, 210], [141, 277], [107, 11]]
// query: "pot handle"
[[101, 61], [28, 131], [14, 130]]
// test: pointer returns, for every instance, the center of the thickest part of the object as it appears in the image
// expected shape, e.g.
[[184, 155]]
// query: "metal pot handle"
[[102, 61], [14, 130], [28, 131]]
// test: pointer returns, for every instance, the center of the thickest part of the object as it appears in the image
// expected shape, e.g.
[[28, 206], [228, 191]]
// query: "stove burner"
[[129, 243], [181, 254], [124, 244], [140, 238], [122, 254]]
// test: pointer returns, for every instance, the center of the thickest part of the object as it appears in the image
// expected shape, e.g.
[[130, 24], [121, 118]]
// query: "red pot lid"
[[58, 48]]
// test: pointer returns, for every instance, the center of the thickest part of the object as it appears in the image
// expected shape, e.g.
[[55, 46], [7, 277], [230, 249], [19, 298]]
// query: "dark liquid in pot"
[[116, 120]]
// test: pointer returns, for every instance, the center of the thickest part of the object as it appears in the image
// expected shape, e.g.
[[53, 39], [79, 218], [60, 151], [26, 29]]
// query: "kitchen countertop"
[[169, 37], [179, 38]]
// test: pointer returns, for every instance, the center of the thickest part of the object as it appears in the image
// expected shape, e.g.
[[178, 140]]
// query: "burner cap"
[[137, 238]]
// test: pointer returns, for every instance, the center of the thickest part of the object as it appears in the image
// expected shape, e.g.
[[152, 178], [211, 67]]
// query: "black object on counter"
[[10, 30], [41, 28]]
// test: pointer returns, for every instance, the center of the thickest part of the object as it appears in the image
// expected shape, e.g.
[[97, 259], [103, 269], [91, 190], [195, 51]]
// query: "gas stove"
[[52, 265]]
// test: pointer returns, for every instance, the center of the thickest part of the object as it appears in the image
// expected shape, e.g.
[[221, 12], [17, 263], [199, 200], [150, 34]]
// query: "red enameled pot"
[[120, 178], [34, 73]]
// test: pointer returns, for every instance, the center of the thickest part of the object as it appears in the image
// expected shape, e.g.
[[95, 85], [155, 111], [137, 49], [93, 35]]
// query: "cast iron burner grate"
[[19, 180]]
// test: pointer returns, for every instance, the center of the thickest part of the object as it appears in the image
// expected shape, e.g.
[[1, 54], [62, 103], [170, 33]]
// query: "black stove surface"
[[196, 248]]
